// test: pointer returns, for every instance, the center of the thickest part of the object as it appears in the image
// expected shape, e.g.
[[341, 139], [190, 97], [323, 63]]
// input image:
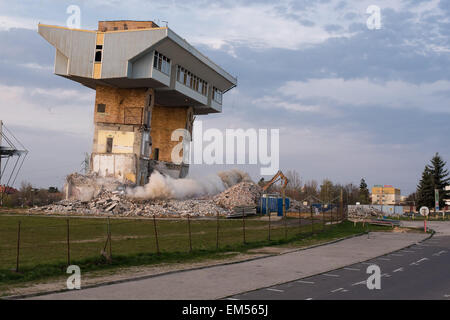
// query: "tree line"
[[434, 177], [324, 192]]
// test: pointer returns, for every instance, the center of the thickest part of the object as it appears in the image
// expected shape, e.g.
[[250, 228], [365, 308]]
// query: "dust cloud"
[[165, 187]]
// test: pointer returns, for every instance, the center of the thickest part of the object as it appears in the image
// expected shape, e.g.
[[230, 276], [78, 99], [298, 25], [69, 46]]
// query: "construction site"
[[149, 83]]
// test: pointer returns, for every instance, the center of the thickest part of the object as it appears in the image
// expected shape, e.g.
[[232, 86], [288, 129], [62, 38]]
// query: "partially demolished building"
[[148, 82]]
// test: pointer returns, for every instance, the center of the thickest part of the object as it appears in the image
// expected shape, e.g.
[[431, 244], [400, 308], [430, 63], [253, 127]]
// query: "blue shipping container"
[[275, 205]]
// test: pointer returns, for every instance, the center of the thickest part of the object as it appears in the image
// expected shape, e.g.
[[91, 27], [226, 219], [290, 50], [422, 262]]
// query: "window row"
[[161, 62], [192, 81]]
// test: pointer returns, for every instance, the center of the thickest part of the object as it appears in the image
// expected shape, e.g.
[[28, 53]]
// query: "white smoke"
[[165, 187]]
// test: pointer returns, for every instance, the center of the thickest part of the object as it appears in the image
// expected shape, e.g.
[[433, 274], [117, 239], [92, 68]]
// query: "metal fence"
[[28, 241]]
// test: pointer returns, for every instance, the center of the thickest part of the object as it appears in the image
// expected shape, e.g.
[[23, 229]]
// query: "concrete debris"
[[363, 212], [115, 203], [297, 206], [242, 194], [109, 198], [86, 187]]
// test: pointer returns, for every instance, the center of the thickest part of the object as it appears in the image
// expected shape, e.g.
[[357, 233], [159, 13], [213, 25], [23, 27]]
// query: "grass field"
[[44, 251]]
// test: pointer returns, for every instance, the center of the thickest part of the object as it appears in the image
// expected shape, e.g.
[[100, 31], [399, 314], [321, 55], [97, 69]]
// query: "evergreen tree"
[[425, 189], [363, 192], [440, 178]]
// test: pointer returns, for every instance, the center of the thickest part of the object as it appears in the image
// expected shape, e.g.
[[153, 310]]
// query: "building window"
[[156, 154], [161, 63], [217, 95], [192, 81], [98, 53], [109, 145], [98, 56], [101, 108]]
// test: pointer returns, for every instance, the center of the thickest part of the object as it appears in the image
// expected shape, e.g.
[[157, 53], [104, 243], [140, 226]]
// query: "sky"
[[349, 101]]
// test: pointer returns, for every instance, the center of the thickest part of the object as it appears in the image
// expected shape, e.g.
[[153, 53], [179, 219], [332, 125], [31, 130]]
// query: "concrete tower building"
[[148, 82]]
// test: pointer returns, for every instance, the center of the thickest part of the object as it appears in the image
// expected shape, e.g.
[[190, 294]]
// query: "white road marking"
[[352, 269], [358, 283], [397, 270], [232, 299], [385, 275], [344, 290], [439, 253], [385, 259], [336, 290], [303, 281], [308, 299], [276, 290], [418, 261], [396, 255], [368, 263], [330, 275]]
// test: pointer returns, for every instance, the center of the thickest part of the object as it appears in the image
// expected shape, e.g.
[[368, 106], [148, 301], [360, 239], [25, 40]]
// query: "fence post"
[[18, 248], [299, 223], [267, 210], [331, 216], [243, 224], [217, 232], [312, 223], [156, 235], [110, 240], [189, 230], [68, 243], [323, 219]]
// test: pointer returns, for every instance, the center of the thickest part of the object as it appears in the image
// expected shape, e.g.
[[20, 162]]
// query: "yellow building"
[[385, 195]]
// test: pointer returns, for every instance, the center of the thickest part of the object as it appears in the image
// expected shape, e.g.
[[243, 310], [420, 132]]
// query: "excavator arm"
[[277, 177]]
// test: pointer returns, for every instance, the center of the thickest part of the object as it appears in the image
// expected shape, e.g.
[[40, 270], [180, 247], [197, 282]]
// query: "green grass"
[[43, 242]]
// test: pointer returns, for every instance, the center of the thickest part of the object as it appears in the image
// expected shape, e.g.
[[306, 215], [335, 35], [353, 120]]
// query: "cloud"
[[8, 22], [55, 110], [335, 92]]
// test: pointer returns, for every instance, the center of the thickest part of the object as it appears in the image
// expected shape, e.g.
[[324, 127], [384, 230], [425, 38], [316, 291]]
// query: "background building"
[[385, 195]]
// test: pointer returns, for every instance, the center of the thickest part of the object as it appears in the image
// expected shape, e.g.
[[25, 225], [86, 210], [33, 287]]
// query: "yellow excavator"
[[279, 176]]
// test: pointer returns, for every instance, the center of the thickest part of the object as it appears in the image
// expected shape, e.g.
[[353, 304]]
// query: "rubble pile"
[[297, 206], [87, 187], [92, 195], [242, 194], [117, 203], [363, 212]]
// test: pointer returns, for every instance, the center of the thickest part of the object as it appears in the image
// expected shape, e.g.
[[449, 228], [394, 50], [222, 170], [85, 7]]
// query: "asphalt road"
[[421, 271]]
